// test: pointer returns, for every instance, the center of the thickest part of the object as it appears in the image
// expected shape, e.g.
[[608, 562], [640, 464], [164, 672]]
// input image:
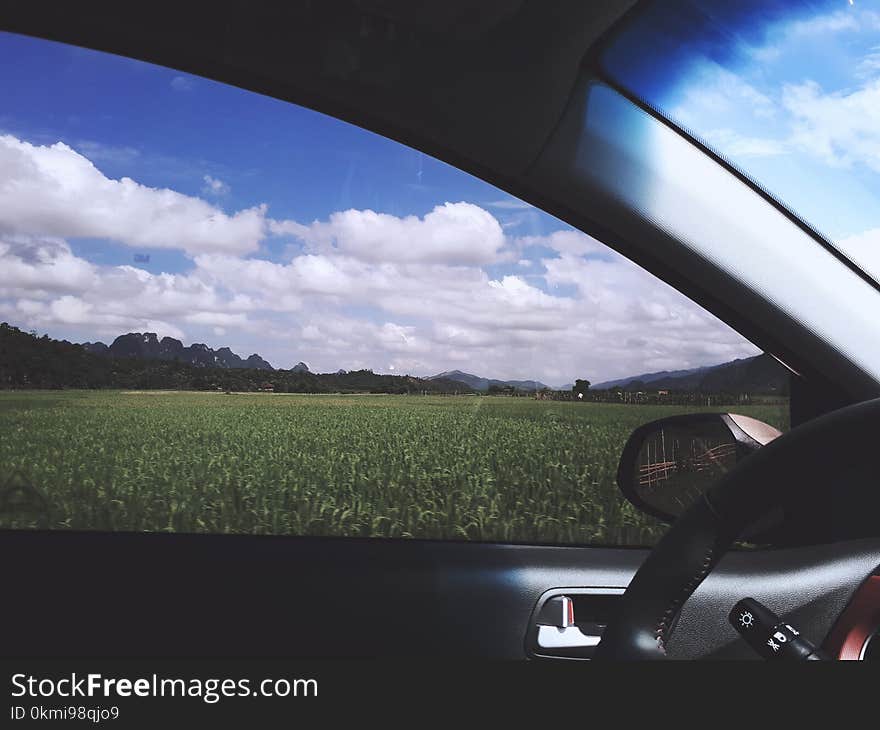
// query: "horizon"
[[439, 374]]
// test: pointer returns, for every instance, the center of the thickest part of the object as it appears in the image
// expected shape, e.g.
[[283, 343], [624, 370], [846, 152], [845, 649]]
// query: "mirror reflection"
[[679, 461]]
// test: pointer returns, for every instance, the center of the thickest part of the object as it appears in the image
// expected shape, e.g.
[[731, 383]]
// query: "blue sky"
[[787, 91], [168, 129], [274, 229]]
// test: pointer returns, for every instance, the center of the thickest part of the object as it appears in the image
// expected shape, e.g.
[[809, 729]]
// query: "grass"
[[476, 468]]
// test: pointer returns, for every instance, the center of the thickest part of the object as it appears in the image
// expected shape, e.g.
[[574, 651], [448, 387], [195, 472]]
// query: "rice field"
[[472, 468]]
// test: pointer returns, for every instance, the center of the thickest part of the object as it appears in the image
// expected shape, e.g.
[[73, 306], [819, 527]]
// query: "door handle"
[[554, 633], [570, 637]]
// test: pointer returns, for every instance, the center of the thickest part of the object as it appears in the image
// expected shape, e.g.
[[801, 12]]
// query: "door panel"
[[102, 594]]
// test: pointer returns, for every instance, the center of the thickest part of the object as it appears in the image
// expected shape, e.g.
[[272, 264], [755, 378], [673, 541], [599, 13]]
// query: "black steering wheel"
[[806, 458]]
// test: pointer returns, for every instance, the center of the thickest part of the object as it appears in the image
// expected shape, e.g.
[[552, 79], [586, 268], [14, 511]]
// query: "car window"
[[226, 313], [787, 91]]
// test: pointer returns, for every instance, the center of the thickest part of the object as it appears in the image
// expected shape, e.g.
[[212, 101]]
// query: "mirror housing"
[[667, 464]]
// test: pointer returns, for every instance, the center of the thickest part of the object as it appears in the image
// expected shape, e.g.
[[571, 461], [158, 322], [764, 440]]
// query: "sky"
[[136, 198], [786, 90]]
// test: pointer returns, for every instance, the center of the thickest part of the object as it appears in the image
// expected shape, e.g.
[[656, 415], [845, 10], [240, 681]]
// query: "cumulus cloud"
[[566, 242], [31, 266], [618, 319], [452, 233], [68, 311], [364, 289], [42, 280], [214, 186], [841, 127], [628, 318], [55, 191]]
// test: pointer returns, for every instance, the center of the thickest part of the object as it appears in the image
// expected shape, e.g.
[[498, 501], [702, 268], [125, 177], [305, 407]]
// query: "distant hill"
[[651, 377], [761, 374], [483, 384], [28, 361], [147, 346]]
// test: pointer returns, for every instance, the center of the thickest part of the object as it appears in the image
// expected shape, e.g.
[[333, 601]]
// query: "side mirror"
[[667, 464]]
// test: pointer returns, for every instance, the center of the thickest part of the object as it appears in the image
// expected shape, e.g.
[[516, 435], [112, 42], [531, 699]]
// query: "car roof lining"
[[448, 78]]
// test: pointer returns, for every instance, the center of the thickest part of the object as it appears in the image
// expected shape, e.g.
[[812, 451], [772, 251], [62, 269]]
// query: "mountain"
[[650, 377], [96, 348], [147, 346], [483, 384], [28, 361], [472, 381], [759, 374]]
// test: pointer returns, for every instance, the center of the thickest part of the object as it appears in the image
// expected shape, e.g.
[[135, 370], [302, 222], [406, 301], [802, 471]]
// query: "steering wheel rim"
[[808, 455]]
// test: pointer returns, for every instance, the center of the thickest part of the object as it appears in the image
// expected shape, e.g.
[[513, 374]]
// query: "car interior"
[[776, 556]]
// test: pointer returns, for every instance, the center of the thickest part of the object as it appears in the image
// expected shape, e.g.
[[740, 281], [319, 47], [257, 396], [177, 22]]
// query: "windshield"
[[788, 91]]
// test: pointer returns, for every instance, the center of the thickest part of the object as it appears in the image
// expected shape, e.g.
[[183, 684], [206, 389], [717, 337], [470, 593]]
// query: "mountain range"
[[29, 361], [651, 377], [759, 374], [483, 384], [147, 346]]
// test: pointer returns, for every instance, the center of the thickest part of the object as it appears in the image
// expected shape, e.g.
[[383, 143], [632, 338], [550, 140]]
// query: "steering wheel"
[[805, 458]]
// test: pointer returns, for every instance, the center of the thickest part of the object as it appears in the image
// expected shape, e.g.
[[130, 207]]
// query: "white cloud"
[[182, 83], [41, 266], [218, 319], [431, 317], [729, 143], [72, 310], [368, 290], [43, 281], [509, 204], [619, 321], [566, 242], [213, 186], [452, 233], [55, 191], [864, 248], [97, 151], [823, 24], [804, 30], [841, 127], [628, 319], [713, 90], [869, 66]]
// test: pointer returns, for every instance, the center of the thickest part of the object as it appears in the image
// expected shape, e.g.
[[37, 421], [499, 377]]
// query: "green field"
[[478, 468]]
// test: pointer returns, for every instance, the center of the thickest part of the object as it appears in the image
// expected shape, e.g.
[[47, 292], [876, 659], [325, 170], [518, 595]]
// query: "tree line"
[[28, 361]]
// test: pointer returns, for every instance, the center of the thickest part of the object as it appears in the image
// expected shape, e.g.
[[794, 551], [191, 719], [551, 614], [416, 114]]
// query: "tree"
[[502, 390], [580, 389]]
